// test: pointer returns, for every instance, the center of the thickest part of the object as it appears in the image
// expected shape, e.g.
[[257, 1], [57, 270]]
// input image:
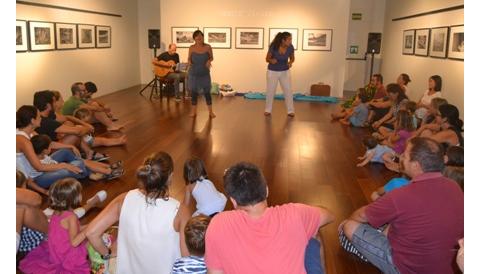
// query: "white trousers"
[[273, 77]]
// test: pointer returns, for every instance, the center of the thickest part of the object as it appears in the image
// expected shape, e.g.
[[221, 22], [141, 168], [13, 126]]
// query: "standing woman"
[[200, 57], [280, 57]]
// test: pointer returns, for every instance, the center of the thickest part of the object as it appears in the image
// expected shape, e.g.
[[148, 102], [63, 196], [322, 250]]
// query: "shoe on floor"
[[102, 196]]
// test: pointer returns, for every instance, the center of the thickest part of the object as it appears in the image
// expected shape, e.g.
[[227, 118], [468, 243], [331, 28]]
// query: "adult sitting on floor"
[[451, 127], [397, 98], [425, 217], [66, 132], [28, 119], [75, 101], [380, 104], [255, 238], [87, 97]]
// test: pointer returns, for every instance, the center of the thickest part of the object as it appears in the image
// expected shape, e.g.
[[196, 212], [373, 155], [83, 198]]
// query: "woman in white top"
[[149, 222], [434, 89], [403, 80]]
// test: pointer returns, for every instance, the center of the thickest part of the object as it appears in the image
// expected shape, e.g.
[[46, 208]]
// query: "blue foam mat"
[[296, 97]]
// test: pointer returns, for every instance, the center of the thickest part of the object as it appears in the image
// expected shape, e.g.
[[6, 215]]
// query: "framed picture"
[[66, 36], [438, 44], [317, 39], [183, 36], [219, 38], [86, 36], [249, 38], [456, 43], [104, 36], [294, 32], [422, 42], [22, 37], [408, 41], [42, 35]]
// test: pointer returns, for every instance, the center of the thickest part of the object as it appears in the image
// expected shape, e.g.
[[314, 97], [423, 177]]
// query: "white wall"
[[148, 18], [421, 68], [373, 16], [245, 69], [111, 69]]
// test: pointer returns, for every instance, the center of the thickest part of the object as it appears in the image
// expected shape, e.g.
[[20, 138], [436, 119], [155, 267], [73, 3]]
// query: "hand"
[[91, 128], [71, 168], [376, 124], [289, 65], [208, 64], [273, 61]]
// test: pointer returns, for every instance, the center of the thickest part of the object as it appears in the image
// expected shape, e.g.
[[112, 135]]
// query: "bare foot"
[[212, 115], [115, 127], [291, 114], [267, 113]]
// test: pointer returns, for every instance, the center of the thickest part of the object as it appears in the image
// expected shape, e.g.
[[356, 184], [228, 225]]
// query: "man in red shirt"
[[425, 218], [255, 238]]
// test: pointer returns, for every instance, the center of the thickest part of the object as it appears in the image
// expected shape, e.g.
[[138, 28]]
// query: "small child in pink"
[[402, 132], [65, 250]]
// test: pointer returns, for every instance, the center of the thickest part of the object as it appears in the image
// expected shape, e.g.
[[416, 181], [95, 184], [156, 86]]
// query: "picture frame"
[[86, 36], [22, 36], [218, 38], [42, 35], [103, 36], [439, 42], [294, 32], [408, 44], [249, 38], [422, 42], [456, 42], [183, 36], [66, 36], [317, 39]]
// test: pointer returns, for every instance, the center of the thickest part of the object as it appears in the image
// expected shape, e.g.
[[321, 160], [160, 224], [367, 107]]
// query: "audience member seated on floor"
[[91, 89], [403, 80], [451, 127], [398, 140], [255, 238], [97, 171], [65, 250], [433, 112], [454, 156], [397, 100], [433, 91], [425, 218], [209, 200], [85, 115], [75, 101], [149, 222], [66, 133], [377, 84], [28, 119], [28, 209], [195, 230], [358, 116], [374, 151]]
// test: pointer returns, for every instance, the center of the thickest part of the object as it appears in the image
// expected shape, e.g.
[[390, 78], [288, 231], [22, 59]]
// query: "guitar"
[[162, 68]]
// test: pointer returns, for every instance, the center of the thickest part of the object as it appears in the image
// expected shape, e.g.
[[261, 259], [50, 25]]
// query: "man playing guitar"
[[165, 65]]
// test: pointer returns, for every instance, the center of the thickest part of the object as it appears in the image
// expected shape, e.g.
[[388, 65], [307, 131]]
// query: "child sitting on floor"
[[85, 115], [41, 145], [209, 200], [402, 132], [359, 115], [65, 250], [374, 151], [195, 240]]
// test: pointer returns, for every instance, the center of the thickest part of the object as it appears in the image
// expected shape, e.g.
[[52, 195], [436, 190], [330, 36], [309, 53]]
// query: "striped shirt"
[[190, 264]]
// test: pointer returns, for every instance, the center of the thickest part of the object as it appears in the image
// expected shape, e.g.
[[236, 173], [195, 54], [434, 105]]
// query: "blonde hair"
[[65, 194], [82, 113], [437, 102]]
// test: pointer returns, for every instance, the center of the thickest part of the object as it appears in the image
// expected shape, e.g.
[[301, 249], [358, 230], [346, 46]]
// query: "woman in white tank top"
[[149, 222]]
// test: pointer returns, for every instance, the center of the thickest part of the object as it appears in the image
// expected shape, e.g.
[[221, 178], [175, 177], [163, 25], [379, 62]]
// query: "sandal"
[[118, 164], [97, 156], [116, 173]]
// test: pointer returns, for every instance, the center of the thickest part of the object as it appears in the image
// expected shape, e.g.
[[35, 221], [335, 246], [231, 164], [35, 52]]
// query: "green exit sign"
[[356, 16]]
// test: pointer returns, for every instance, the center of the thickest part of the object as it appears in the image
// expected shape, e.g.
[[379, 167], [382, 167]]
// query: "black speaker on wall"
[[154, 38], [374, 42]]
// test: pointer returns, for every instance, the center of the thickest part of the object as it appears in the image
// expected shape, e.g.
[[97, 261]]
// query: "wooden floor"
[[307, 159]]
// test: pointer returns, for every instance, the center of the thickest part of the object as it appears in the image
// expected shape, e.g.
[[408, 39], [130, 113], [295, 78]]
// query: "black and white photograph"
[[249, 38], [42, 35], [86, 36], [183, 36], [220, 38], [408, 41], [104, 36], [22, 38], [438, 44], [422, 42], [317, 39], [456, 42], [66, 36], [294, 32]]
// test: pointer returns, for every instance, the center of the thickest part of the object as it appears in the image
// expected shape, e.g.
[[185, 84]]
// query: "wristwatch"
[[107, 256]]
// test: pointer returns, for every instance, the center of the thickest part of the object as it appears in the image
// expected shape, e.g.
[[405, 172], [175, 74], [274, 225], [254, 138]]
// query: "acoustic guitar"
[[162, 68]]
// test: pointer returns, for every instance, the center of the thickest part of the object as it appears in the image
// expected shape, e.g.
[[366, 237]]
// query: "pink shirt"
[[274, 243]]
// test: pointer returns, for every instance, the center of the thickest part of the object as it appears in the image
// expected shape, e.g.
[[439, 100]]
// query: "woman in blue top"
[[280, 57], [200, 57]]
